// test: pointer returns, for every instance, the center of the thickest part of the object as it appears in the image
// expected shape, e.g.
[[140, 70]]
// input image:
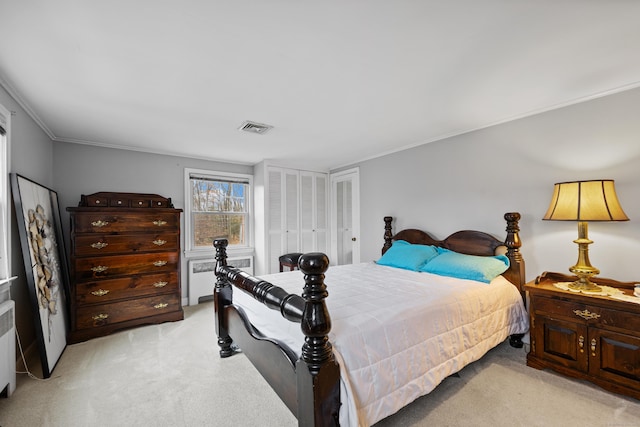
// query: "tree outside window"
[[219, 209]]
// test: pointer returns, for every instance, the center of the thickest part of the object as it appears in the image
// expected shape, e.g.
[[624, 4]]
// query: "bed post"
[[515, 274], [388, 235], [222, 297], [513, 244], [317, 371]]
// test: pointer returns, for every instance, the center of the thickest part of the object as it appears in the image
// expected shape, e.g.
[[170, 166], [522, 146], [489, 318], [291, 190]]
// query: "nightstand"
[[592, 337]]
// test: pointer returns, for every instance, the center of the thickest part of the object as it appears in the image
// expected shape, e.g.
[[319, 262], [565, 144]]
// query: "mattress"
[[397, 333]]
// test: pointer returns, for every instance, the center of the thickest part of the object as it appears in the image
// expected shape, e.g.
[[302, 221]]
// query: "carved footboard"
[[310, 385]]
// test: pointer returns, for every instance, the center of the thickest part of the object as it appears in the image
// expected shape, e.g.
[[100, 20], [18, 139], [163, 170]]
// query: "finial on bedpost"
[[222, 297], [317, 371], [221, 252], [388, 235]]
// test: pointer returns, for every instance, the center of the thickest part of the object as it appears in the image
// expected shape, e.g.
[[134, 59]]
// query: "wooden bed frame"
[[310, 385]]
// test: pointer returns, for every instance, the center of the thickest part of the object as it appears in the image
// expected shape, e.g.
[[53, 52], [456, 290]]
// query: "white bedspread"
[[396, 333]]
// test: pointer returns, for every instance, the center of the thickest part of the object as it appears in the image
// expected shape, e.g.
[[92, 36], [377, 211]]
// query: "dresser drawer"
[[107, 314], [120, 265], [102, 291], [579, 312], [102, 244], [124, 222], [125, 200]]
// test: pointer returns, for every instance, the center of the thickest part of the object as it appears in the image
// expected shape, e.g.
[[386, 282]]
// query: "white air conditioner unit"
[[202, 276], [7, 348]]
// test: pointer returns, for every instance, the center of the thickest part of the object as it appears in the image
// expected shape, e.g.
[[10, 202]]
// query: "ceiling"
[[341, 81]]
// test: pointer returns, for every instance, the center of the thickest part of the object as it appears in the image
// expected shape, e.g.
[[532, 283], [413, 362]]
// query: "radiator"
[[7, 348], [202, 276]]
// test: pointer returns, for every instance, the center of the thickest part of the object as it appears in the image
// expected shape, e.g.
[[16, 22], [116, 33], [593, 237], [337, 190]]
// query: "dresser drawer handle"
[[100, 292], [101, 316], [159, 242], [100, 223], [593, 347], [160, 284], [159, 223], [161, 305], [586, 314], [99, 268], [159, 263], [581, 343], [99, 245]]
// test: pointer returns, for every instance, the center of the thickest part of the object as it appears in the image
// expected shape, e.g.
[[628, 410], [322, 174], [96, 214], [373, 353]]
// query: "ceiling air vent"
[[254, 127]]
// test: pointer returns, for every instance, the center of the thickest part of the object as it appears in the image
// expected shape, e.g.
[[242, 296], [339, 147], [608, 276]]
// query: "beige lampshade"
[[585, 201]]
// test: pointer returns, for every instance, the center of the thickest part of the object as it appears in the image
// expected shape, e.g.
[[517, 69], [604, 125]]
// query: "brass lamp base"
[[583, 283], [583, 268]]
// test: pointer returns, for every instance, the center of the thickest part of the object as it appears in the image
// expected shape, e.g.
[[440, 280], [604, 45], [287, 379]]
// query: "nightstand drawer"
[[557, 307], [615, 319], [578, 312]]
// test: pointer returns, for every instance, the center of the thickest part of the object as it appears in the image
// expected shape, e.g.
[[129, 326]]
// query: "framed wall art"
[[38, 218]]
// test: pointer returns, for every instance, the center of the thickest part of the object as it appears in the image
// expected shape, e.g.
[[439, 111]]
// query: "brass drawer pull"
[[159, 263], [586, 314], [161, 305], [593, 347], [101, 316], [160, 284], [159, 223], [159, 242], [99, 268], [100, 223], [581, 343], [99, 245], [100, 292]]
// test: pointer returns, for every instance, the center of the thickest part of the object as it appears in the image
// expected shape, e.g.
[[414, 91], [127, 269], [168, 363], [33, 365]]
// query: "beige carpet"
[[171, 375]]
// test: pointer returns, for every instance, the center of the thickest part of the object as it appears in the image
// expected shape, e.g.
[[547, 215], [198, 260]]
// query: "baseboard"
[[31, 355]]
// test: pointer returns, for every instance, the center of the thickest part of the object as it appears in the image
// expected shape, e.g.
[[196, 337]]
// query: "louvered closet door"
[[292, 229], [321, 213], [313, 212], [276, 219], [307, 219]]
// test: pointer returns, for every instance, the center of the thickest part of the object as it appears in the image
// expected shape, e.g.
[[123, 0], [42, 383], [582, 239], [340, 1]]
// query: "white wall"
[[470, 181], [31, 153], [85, 169]]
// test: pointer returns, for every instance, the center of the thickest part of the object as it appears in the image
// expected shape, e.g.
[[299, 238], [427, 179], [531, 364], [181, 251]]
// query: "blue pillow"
[[472, 267], [404, 255]]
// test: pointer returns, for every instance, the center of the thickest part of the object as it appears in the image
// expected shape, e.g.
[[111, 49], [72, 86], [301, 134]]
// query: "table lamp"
[[584, 201]]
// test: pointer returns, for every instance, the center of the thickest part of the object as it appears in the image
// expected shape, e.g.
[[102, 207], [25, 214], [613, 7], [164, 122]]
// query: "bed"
[[393, 334]]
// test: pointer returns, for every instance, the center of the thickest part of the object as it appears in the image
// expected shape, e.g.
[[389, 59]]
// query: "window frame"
[[5, 203], [191, 251]]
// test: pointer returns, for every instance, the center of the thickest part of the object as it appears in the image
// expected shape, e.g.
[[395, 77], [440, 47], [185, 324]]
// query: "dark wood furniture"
[[125, 263], [289, 260], [595, 338], [310, 385]]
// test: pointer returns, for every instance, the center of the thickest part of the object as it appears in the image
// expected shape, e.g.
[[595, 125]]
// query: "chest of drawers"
[[125, 263]]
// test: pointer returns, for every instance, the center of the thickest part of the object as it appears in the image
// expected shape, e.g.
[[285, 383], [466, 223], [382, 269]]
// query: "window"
[[217, 206], [4, 192]]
